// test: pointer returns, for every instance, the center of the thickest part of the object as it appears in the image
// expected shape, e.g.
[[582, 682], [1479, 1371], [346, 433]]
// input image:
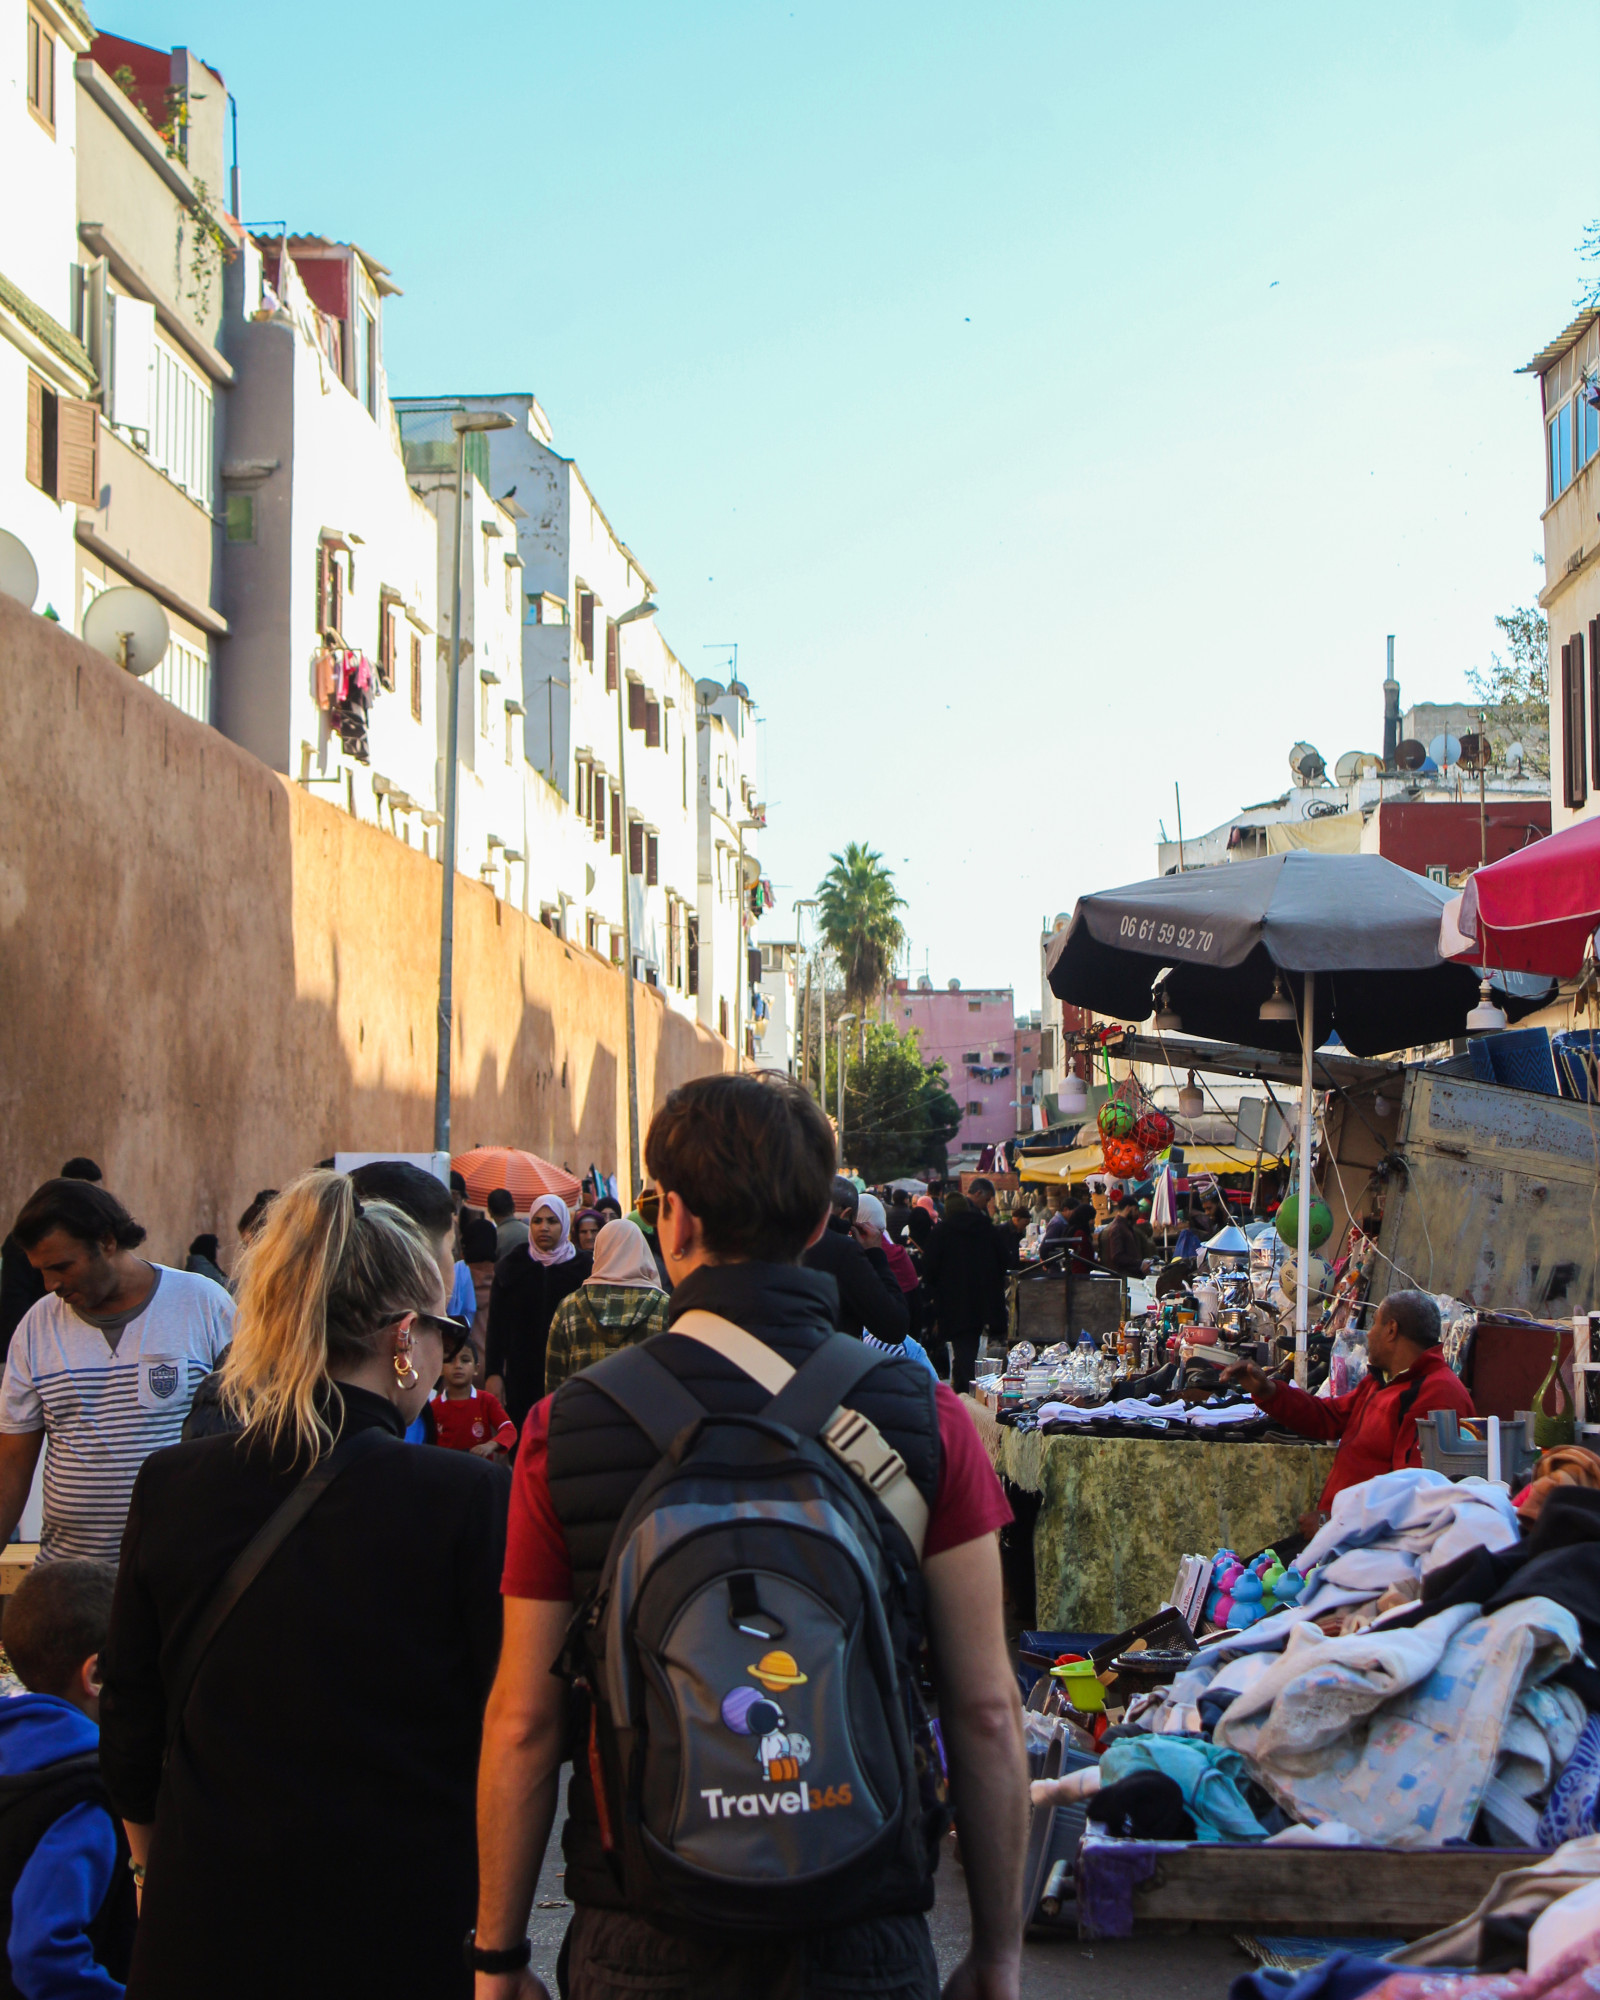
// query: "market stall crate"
[[1400, 1892]]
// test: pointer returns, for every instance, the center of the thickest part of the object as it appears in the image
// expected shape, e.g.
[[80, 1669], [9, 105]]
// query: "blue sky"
[[1053, 402]]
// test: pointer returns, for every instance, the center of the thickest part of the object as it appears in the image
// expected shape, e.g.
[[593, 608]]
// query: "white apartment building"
[[730, 818], [333, 670], [777, 1027], [48, 418]]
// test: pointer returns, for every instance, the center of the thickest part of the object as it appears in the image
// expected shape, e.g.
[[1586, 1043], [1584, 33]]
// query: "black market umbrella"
[[1367, 930]]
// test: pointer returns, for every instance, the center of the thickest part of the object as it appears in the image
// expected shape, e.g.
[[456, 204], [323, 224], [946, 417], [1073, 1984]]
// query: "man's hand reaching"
[[1249, 1376]]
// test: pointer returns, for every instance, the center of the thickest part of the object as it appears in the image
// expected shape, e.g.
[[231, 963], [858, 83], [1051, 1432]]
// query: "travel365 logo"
[[780, 1750]]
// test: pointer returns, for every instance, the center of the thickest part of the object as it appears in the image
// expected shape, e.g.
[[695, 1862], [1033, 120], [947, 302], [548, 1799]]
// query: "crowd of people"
[[316, 1619]]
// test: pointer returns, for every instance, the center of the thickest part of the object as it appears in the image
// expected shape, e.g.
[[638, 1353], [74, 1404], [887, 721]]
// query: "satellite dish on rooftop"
[[19, 573], [1409, 754], [1445, 749], [1306, 765], [1476, 753], [1514, 756], [1355, 764], [737, 687], [708, 691], [128, 626]]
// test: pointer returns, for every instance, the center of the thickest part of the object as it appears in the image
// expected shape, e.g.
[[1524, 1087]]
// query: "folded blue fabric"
[[1207, 1776], [1342, 1975]]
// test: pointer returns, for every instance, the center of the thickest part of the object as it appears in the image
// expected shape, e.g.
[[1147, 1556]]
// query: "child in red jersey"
[[467, 1418]]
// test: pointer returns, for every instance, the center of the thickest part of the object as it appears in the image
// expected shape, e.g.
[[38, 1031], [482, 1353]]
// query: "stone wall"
[[210, 979]]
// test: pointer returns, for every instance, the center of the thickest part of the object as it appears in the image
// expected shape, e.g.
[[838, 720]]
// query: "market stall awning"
[[486, 1168], [1534, 911], [1082, 1161], [1219, 940]]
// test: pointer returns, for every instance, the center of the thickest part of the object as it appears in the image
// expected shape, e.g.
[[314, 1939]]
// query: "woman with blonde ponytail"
[[301, 1791]]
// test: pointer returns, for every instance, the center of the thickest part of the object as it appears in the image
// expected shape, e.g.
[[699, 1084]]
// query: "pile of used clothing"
[[1435, 1683]]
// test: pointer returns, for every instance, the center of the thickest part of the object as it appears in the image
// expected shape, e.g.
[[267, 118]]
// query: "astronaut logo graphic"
[[779, 1750]]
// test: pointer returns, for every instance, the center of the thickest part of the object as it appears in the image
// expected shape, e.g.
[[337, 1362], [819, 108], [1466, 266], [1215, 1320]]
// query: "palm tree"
[[856, 912]]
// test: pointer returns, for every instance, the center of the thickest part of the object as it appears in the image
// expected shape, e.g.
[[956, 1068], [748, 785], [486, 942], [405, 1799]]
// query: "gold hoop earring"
[[404, 1374]]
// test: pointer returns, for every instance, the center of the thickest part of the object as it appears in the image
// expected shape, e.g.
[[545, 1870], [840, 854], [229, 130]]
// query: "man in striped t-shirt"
[[105, 1367]]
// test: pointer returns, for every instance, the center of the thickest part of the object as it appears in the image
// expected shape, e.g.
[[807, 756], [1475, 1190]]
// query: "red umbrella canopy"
[[1536, 910], [486, 1168]]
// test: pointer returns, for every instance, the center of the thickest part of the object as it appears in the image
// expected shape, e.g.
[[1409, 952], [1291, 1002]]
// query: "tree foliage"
[[858, 914], [1515, 690], [899, 1118]]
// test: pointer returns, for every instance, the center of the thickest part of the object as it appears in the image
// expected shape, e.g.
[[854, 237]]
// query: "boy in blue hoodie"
[[66, 1893]]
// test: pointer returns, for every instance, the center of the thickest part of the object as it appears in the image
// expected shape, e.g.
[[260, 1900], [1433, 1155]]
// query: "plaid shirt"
[[595, 1321]]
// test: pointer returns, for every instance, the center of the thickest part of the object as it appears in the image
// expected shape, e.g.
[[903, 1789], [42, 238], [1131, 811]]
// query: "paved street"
[[1188, 1967]]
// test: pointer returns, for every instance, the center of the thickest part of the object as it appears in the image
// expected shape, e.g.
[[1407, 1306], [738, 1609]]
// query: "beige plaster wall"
[[210, 979]]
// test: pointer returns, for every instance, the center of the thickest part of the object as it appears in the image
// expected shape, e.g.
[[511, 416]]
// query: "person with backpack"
[[761, 1524], [64, 1879], [306, 1623]]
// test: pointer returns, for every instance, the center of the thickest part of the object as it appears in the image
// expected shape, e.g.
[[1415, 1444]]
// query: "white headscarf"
[[622, 1257], [566, 1249]]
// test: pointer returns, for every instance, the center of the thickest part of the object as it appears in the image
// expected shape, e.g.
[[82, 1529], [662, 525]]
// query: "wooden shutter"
[[613, 658], [386, 642], [416, 678], [1574, 777], [635, 849], [635, 705], [652, 858], [323, 560], [652, 724], [1047, 1049], [78, 451], [586, 623], [335, 593], [691, 952], [616, 821], [36, 395]]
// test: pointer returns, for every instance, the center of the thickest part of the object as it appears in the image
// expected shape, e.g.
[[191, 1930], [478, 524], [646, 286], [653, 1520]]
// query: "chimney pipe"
[[1391, 712]]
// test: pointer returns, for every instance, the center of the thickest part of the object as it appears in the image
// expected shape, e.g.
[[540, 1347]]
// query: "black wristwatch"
[[512, 1959]]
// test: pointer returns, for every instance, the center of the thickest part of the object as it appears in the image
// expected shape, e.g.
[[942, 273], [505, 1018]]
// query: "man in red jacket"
[[1376, 1424]]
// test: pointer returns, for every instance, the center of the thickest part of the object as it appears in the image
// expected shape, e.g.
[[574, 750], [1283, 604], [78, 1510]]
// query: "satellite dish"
[[19, 573], [1514, 756], [1445, 749], [952, 985], [128, 626], [924, 984], [737, 687], [1475, 753], [1409, 754], [1355, 764], [1306, 765], [708, 691], [752, 871]]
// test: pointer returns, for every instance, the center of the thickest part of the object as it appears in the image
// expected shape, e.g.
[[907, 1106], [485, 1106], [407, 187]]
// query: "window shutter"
[[652, 725], [1574, 787], [323, 620], [335, 592], [613, 657], [635, 705], [586, 623], [652, 860], [616, 821], [1047, 1049], [635, 849], [386, 642], [416, 678], [691, 953], [78, 452], [35, 430]]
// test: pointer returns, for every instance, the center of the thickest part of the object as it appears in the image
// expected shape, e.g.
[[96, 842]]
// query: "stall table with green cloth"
[[1117, 1514]]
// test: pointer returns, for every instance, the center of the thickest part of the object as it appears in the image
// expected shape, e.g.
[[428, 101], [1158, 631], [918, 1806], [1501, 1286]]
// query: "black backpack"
[[30, 1804], [759, 1753]]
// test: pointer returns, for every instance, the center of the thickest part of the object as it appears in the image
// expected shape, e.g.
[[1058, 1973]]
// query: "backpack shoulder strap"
[[648, 1393], [253, 1558], [809, 1400]]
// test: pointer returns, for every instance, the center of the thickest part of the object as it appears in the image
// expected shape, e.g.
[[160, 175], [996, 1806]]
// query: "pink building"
[[972, 1030]]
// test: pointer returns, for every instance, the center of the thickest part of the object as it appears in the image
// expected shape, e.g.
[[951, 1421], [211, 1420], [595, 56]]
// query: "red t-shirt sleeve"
[[537, 1563], [498, 1424], [967, 1504], [969, 1501]]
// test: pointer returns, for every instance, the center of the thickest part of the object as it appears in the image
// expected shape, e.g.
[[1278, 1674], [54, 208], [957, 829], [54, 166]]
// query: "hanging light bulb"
[[1277, 1006], [1168, 1020], [1191, 1099], [1073, 1100], [1486, 1018]]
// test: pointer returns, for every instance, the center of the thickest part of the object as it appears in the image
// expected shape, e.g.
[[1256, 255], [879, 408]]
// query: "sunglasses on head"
[[451, 1330]]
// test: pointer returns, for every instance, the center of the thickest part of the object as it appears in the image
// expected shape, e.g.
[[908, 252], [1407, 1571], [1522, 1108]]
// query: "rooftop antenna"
[[1391, 711]]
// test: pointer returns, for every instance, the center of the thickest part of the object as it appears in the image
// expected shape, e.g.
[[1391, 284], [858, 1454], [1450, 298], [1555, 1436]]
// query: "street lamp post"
[[644, 609], [805, 903], [741, 967], [461, 422], [844, 1022]]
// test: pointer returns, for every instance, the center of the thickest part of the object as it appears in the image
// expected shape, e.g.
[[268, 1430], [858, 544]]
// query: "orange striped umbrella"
[[486, 1168]]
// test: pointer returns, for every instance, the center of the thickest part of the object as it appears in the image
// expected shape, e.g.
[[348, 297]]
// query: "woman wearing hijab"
[[619, 1304], [586, 1226], [528, 1287]]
